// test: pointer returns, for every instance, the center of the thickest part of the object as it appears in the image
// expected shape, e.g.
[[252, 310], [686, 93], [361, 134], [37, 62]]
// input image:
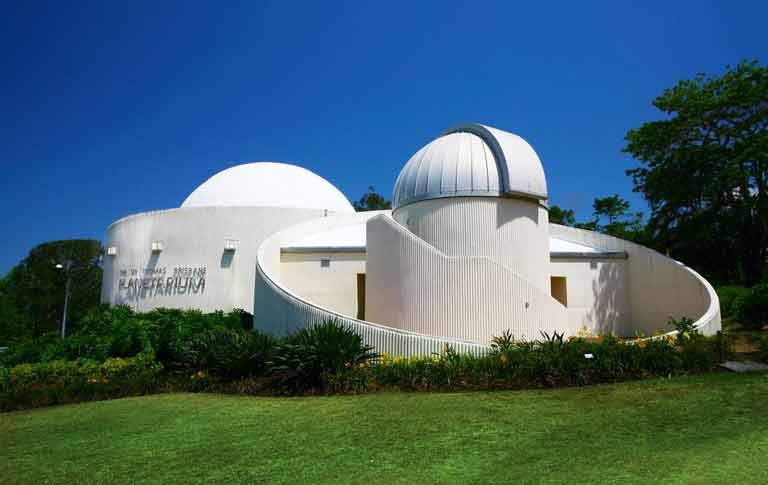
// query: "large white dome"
[[472, 160], [268, 184]]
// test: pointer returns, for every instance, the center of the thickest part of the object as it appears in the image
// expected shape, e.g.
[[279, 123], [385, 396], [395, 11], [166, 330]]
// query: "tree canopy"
[[610, 216], [32, 293], [371, 201], [558, 215], [704, 172]]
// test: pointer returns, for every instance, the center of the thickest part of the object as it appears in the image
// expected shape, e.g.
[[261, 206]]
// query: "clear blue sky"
[[111, 108]]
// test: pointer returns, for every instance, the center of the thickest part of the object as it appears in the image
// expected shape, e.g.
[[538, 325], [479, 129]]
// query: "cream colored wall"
[[279, 310], [193, 237], [657, 287], [413, 286], [333, 287], [512, 232], [600, 292]]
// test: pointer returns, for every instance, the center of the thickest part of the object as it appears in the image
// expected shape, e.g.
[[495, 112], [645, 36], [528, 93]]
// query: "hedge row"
[[331, 358]]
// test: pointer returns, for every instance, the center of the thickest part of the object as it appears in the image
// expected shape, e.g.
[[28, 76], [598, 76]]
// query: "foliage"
[[610, 216], [731, 297], [552, 361], [14, 324], [504, 342], [120, 332], [227, 353], [60, 381], [684, 326], [35, 287], [558, 215], [211, 352], [371, 201], [318, 358], [752, 308], [704, 172]]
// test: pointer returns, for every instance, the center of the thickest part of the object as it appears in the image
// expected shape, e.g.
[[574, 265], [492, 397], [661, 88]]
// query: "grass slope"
[[699, 429]]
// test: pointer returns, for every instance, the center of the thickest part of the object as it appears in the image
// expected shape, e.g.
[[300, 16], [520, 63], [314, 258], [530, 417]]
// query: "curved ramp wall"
[[279, 311], [413, 286], [510, 231], [657, 287], [192, 269]]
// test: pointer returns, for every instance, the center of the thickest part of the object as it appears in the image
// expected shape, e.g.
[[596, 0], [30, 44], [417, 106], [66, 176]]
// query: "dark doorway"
[[361, 296]]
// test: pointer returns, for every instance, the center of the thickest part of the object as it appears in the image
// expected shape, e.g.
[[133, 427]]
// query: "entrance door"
[[361, 296], [559, 289]]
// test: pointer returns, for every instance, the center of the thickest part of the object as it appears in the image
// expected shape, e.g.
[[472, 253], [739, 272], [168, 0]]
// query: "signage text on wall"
[[152, 282]]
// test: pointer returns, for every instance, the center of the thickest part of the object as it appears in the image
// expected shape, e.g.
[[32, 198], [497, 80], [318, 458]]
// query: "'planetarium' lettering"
[[153, 282]]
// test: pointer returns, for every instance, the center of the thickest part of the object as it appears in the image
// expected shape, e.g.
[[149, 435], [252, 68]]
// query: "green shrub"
[[731, 297], [59, 381], [322, 357], [120, 332], [549, 362], [752, 311], [226, 353]]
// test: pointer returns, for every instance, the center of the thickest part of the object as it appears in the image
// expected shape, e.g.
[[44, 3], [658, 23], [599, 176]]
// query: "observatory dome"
[[472, 160], [268, 184]]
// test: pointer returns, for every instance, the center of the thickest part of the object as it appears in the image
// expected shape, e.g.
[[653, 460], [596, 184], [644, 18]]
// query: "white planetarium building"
[[466, 252]]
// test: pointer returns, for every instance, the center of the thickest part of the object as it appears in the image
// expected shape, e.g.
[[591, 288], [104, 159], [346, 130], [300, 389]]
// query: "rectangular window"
[[325, 263], [559, 289]]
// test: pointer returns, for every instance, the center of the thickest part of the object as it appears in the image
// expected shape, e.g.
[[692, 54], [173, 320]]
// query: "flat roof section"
[[352, 239]]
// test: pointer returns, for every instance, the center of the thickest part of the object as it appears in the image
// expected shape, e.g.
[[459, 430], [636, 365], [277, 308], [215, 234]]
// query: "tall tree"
[[371, 201], [558, 215], [611, 216], [704, 171], [35, 287]]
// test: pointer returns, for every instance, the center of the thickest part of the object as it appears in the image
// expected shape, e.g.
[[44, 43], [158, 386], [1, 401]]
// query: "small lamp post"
[[66, 267]]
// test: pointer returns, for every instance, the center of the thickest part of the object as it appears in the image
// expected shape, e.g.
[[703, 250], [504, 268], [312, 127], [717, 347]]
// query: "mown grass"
[[696, 429]]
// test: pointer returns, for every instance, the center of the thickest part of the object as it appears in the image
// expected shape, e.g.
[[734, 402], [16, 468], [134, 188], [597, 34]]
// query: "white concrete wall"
[[512, 232], [279, 310], [333, 287], [194, 238], [657, 287], [413, 286], [599, 288]]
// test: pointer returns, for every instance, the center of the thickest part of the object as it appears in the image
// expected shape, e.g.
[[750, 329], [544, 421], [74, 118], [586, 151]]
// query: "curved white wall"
[[333, 286], [193, 241], [512, 232], [279, 310], [657, 287], [414, 286]]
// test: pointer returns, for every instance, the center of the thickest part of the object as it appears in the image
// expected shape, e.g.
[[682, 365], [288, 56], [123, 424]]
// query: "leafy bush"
[[549, 362], [731, 297], [752, 311], [120, 332], [227, 353], [59, 381], [323, 357]]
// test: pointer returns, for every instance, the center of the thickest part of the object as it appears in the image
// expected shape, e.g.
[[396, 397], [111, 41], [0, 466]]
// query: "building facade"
[[466, 253]]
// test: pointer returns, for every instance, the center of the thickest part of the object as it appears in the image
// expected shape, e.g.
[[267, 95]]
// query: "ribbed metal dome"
[[471, 160]]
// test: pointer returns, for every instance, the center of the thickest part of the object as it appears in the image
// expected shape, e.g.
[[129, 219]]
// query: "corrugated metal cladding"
[[456, 164], [510, 232], [280, 312], [658, 287], [413, 286], [462, 163]]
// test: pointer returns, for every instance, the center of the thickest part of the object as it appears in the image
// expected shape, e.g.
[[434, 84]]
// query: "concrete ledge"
[[321, 249], [577, 255]]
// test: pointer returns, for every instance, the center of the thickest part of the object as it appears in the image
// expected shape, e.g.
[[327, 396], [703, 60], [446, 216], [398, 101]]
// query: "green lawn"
[[699, 429]]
